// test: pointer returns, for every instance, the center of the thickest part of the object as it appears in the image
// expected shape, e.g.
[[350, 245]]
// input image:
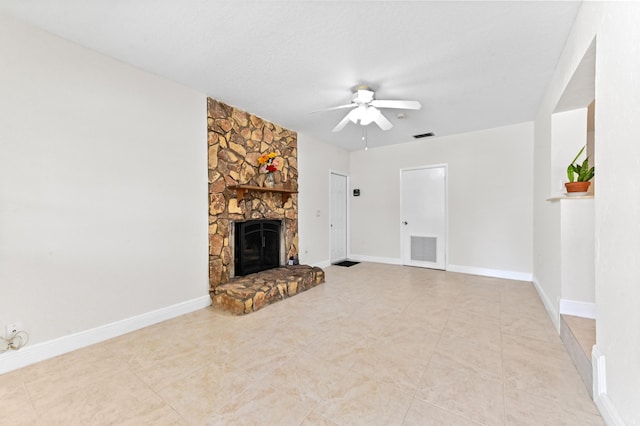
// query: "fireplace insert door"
[[257, 246]]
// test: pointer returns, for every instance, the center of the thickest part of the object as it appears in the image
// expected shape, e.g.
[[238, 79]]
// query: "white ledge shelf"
[[566, 197]]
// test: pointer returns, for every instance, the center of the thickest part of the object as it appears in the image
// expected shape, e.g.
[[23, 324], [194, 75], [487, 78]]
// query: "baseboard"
[[578, 309], [605, 406], [322, 264], [496, 273], [375, 259], [552, 311], [13, 360]]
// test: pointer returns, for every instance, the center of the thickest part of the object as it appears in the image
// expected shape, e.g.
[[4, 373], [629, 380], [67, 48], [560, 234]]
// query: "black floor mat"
[[346, 263]]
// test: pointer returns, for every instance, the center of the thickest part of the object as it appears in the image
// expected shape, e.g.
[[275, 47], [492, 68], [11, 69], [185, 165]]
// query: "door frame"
[[347, 213], [446, 209]]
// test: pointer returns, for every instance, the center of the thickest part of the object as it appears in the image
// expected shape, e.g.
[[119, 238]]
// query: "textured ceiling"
[[473, 65]]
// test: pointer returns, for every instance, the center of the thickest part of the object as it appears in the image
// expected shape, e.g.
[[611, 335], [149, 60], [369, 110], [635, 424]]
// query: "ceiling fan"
[[366, 109]]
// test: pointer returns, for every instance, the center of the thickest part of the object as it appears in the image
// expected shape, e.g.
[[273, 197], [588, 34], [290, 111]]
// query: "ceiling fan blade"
[[381, 103], [352, 105], [382, 121], [353, 116], [342, 123]]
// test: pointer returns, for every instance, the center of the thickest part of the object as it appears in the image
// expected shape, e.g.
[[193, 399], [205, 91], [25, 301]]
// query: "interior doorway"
[[424, 216], [338, 217]]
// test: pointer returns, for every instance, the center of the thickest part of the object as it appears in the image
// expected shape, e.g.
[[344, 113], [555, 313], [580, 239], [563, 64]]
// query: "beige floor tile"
[[584, 330], [458, 389], [406, 339], [198, 395], [473, 320], [478, 306], [164, 416], [340, 347], [483, 360], [527, 409], [535, 326], [522, 303], [360, 400], [314, 419], [109, 401], [299, 373], [398, 368], [149, 346], [476, 329], [523, 347], [261, 404], [10, 382], [159, 374], [423, 413], [15, 403], [550, 378], [259, 358], [65, 374]]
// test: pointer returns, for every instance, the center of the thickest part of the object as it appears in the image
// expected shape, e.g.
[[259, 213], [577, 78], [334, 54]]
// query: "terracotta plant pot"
[[577, 186]]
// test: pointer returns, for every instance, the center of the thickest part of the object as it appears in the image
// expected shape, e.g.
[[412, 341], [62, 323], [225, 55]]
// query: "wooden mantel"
[[242, 189]]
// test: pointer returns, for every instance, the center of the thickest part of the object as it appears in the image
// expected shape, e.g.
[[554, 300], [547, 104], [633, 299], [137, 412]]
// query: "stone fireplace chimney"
[[236, 140]]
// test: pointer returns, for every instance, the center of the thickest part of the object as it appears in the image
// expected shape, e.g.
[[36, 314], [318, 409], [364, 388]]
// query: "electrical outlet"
[[12, 329]]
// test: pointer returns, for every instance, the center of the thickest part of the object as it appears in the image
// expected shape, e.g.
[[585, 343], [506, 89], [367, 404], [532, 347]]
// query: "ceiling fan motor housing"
[[363, 96]]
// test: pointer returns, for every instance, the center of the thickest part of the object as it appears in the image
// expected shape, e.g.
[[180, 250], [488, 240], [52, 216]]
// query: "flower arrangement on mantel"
[[269, 165]]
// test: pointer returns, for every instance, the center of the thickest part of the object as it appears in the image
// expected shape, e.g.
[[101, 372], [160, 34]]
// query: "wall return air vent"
[[423, 135]]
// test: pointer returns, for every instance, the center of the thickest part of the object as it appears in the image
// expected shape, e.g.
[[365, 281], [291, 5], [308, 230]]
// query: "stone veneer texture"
[[236, 140]]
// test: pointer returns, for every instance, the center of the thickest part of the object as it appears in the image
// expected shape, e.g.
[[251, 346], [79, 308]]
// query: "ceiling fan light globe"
[[358, 114], [370, 114]]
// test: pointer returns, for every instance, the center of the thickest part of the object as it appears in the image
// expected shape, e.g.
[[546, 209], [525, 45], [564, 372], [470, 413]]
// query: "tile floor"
[[376, 345], [584, 330]]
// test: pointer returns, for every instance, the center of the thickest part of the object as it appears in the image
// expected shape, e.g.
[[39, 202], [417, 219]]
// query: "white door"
[[338, 217], [423, 215]]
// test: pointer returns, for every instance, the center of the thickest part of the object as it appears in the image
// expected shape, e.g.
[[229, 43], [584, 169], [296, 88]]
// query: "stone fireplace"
[[236, 139]]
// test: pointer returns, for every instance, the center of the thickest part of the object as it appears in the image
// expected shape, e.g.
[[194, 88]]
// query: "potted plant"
[[579, 174]]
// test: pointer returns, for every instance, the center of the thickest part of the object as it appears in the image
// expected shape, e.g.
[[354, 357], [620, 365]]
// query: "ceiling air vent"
[[423, 135]]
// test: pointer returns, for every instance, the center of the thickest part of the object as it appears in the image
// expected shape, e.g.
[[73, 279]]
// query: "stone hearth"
[[249, 293]]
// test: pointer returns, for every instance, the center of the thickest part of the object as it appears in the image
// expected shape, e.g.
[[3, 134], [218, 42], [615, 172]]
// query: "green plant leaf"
[[583, 172], [579, 153], [589, 175], [570, 173]]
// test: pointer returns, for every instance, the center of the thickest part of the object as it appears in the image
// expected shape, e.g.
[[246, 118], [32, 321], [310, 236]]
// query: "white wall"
[[315, 161], [490, 194], [617, 207], [103, 188], [616, 203], [578, 252]]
